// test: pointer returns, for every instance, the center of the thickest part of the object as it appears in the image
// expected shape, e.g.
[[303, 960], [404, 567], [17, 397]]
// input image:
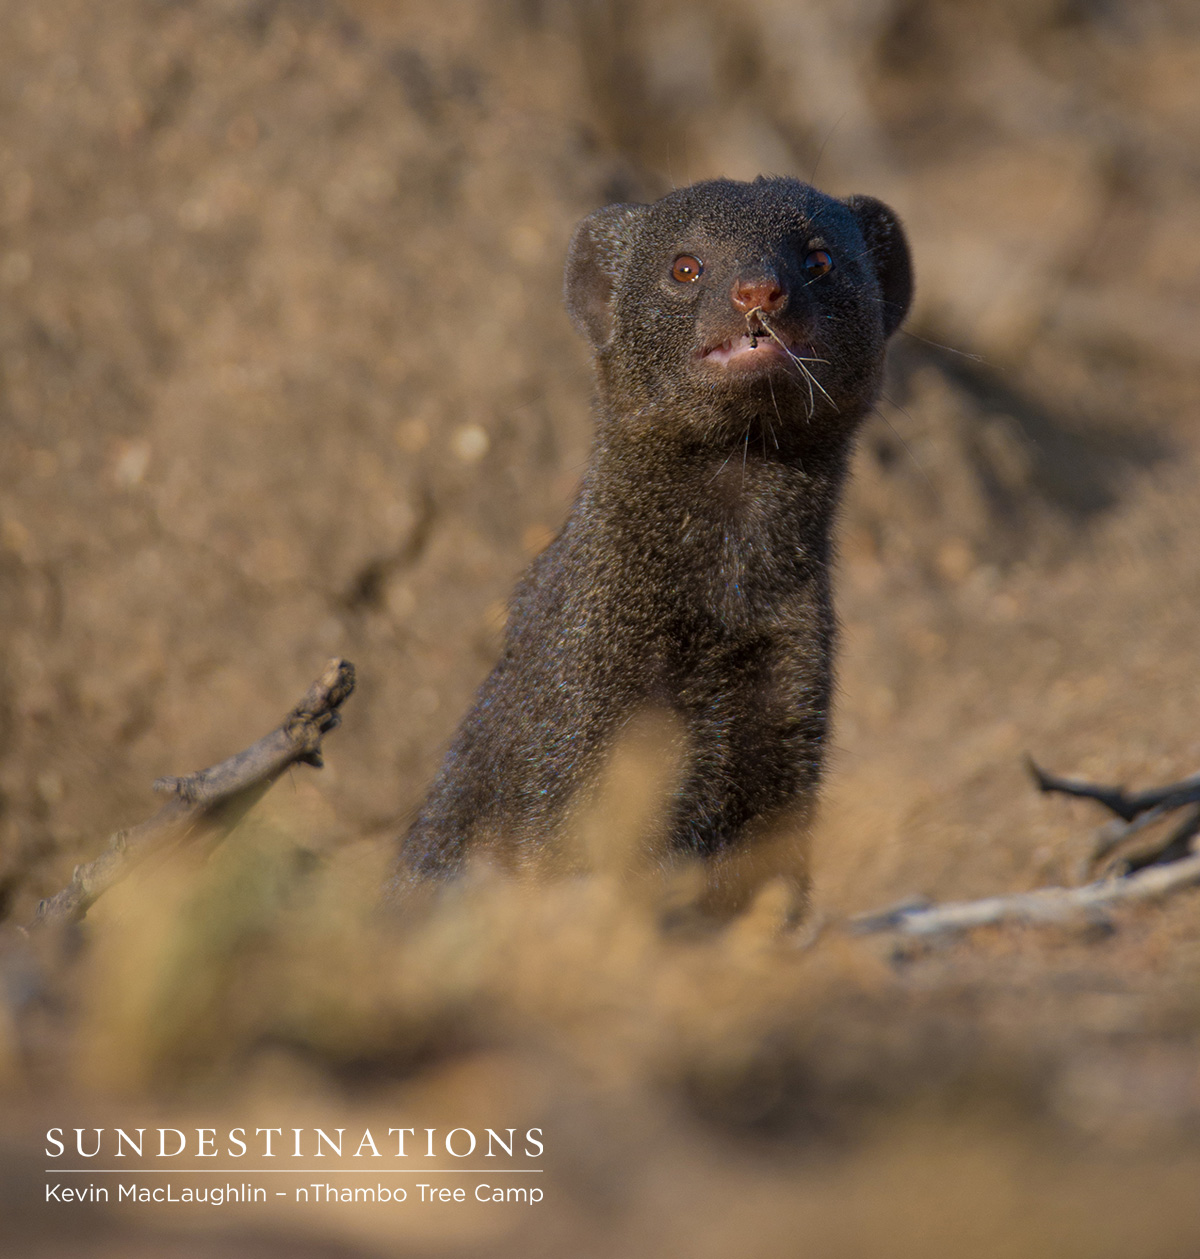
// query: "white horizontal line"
[[294, 1171]]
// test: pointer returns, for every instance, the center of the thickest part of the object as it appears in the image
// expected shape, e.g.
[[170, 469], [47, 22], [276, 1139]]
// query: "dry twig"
[[1125, 804], [1136, 811], [213, 800], [1166, 868], [1044, 905]]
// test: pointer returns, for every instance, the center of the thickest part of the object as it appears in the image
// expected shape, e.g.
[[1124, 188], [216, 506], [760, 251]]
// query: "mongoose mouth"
[[749, 349]]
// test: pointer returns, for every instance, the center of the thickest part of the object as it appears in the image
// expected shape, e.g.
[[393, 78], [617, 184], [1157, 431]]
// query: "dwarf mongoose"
[[739, 332]]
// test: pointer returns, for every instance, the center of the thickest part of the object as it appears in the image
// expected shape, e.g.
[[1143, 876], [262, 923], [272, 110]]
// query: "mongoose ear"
[[888, 248], [594, 260]]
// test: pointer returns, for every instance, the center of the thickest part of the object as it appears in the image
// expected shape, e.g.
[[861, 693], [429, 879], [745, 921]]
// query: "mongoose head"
[[727, 300]]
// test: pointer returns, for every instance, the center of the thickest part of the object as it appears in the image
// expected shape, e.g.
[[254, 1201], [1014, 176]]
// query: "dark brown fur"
[[693, 571]]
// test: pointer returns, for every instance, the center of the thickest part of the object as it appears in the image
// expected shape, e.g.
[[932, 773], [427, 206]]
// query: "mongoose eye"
[[818, 263], [687, 269]]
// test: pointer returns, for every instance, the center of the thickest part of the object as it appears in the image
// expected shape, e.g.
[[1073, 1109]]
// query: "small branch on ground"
[[1044, 905], [212, 801], [1125, 804], [1136, 811], [1162, 869]]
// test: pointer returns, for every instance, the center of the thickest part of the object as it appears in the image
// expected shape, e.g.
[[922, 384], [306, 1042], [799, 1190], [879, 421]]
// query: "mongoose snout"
[[758, 293]]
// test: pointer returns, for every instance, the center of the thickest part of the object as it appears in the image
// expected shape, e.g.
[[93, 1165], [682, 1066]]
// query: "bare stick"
[[1125, 804], [214, 799], [1136, 811], [1045, 905]]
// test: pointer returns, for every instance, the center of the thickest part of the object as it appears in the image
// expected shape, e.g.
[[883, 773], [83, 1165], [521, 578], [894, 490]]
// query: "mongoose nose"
[[761, 292]]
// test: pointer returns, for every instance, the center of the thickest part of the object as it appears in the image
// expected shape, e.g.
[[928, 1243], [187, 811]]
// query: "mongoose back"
[[739, 332]]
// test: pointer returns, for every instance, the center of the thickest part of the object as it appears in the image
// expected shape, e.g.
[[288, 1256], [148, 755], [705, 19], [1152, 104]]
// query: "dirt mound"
[[286, 374]]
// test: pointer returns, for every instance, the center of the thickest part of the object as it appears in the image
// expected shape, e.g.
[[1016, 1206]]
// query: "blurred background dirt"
[[284, 374]]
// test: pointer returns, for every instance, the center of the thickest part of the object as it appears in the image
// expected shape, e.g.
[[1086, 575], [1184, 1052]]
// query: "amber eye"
[[818, 263], [687, 269]]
